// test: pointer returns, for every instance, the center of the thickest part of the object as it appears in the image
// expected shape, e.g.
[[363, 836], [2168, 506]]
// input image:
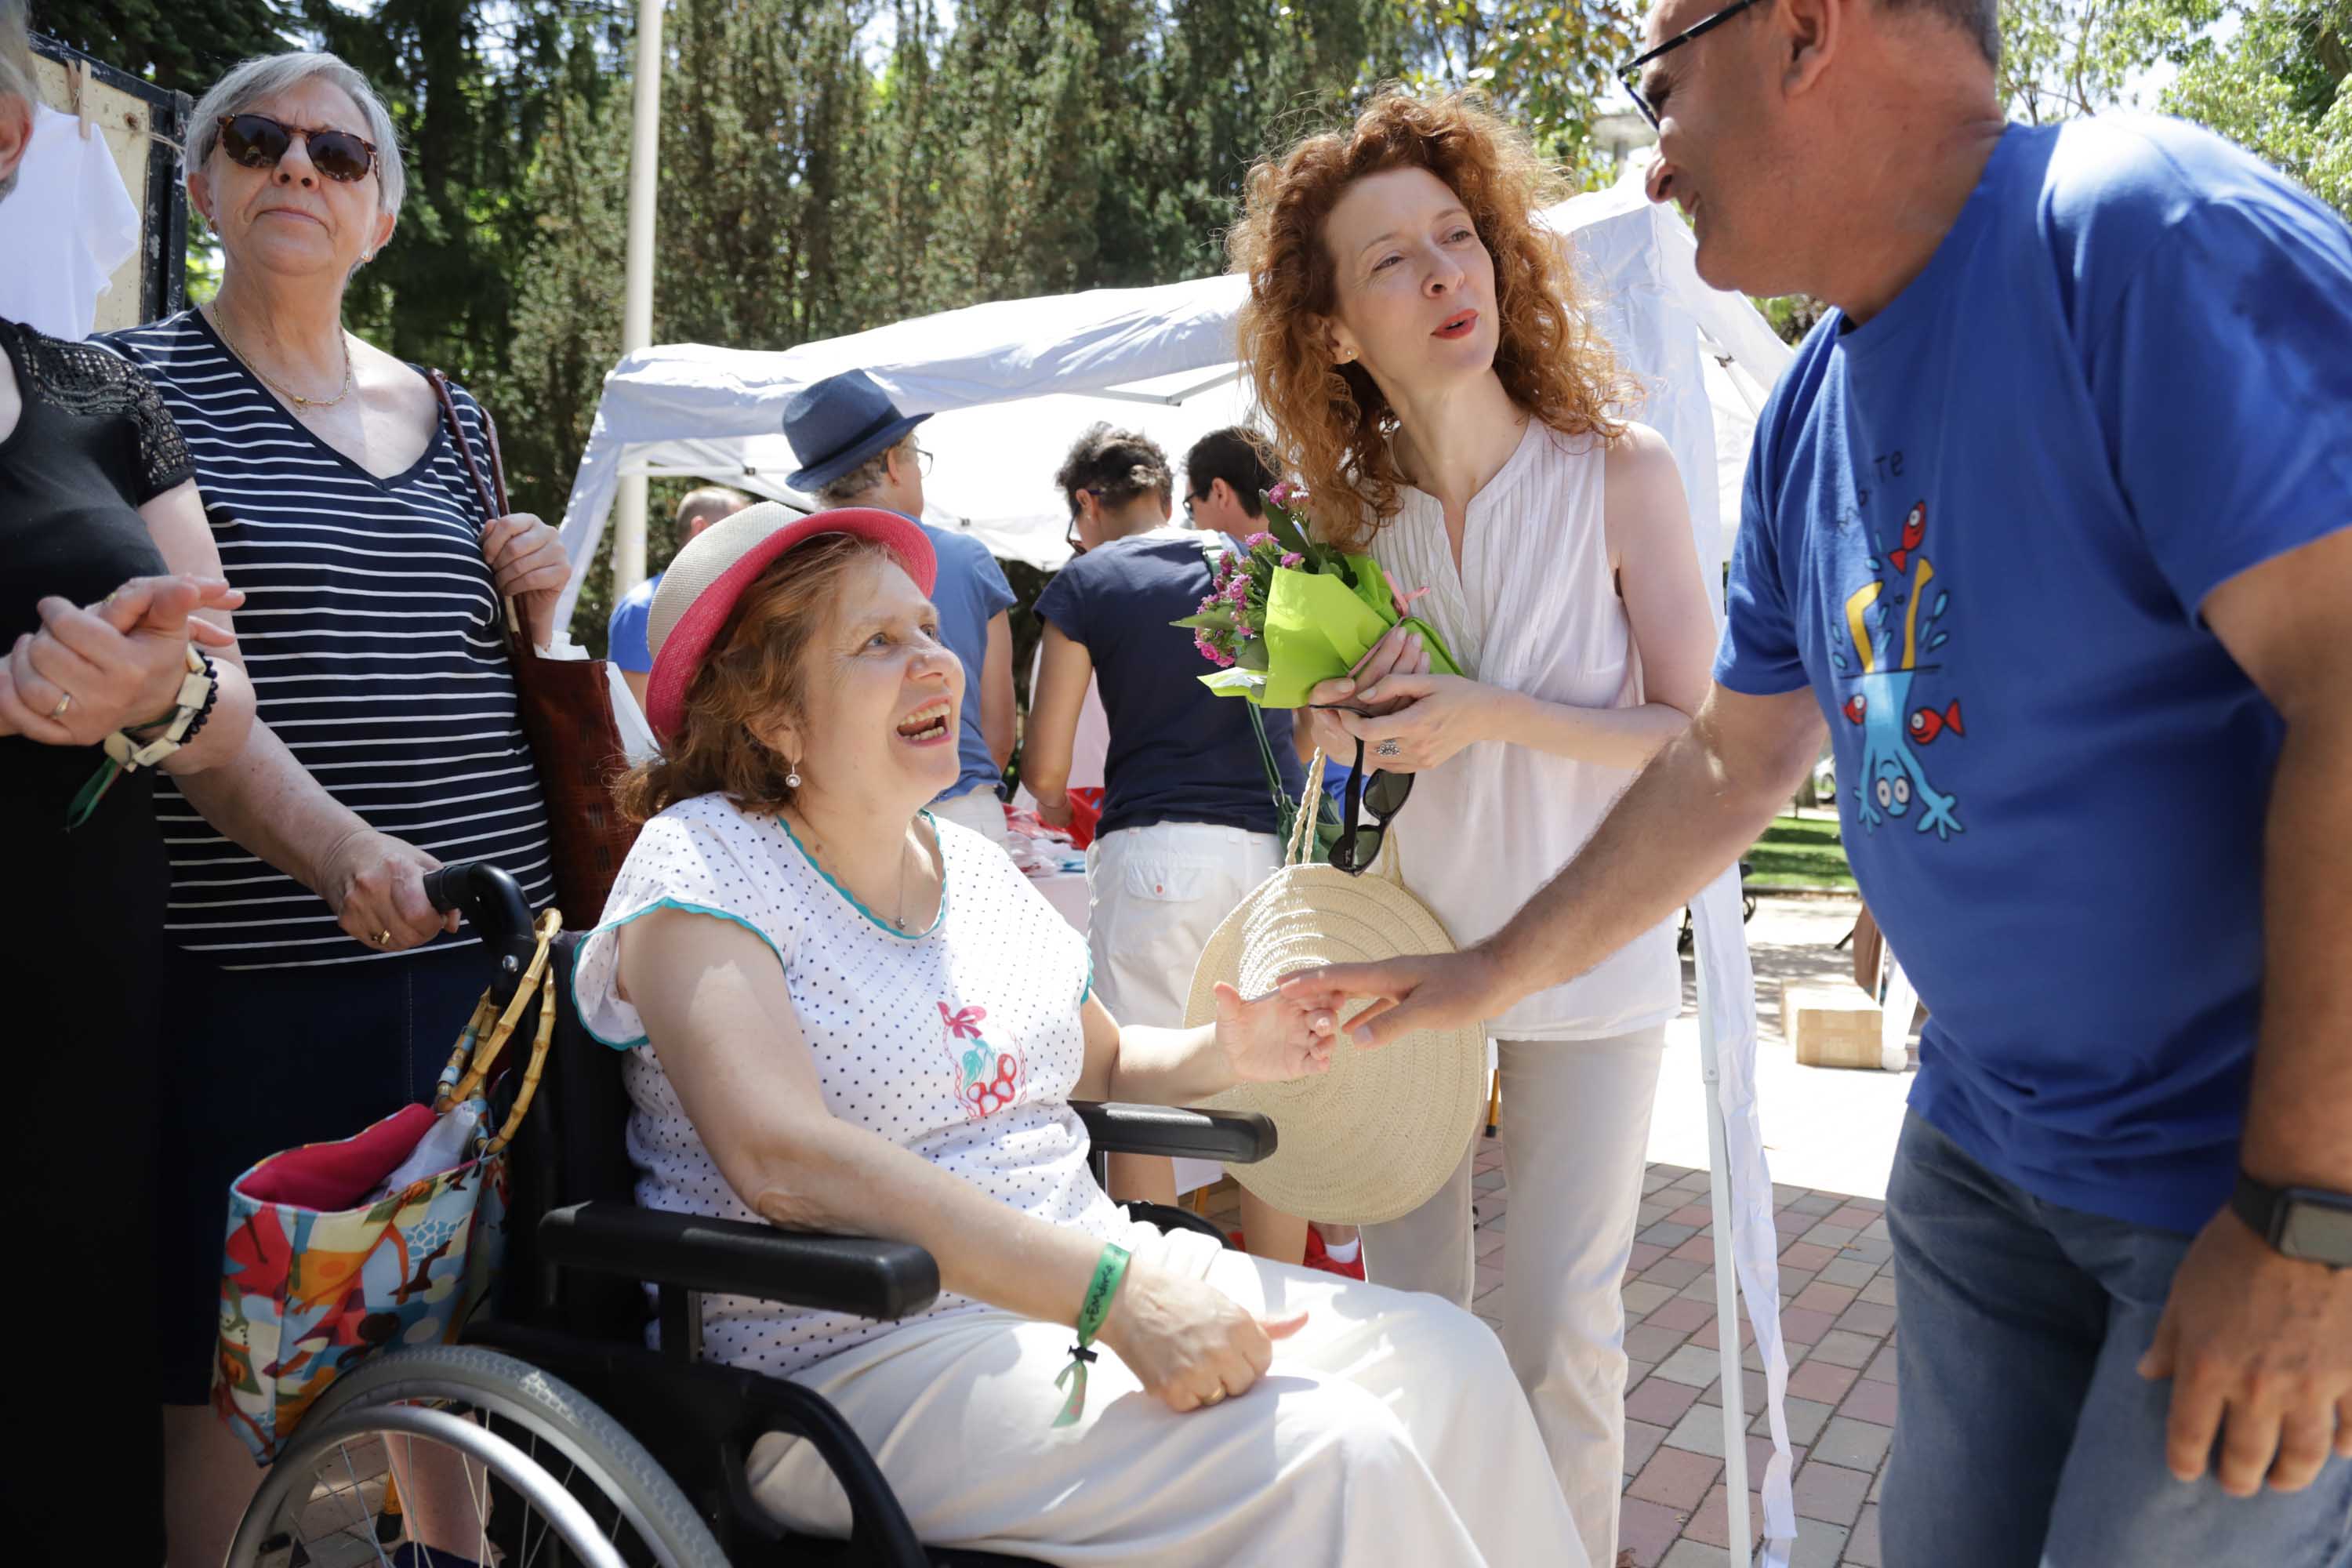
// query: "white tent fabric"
[[1011, 384]]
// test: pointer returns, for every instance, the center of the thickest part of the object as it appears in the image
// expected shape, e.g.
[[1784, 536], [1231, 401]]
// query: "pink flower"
[[1285, 493], [1292, 559], [1255, 540]]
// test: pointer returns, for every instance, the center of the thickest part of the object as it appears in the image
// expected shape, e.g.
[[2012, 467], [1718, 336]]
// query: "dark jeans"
[[268, 1059], [2024, 1437]]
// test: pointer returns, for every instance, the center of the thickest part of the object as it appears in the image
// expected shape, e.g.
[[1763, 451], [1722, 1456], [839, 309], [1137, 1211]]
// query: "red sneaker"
[[1319, 1257]]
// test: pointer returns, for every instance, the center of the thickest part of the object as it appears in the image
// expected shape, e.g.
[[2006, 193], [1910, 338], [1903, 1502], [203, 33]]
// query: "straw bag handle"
[[1310, 808], [464, 1078]]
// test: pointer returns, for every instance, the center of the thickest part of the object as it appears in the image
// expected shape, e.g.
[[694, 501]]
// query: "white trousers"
[[1155, 895], [1389, 1431], [1575, 1127], [978, 809]]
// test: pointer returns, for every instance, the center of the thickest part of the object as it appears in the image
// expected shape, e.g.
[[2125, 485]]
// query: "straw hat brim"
[[1377, 1136], [717, 565]]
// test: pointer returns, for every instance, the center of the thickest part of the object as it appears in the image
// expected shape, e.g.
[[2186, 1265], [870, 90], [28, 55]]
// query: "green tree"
[[2277, 86], [183, 44]]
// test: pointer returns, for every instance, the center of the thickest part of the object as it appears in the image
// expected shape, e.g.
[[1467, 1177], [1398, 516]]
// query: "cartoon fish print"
[[1915, 530], [1894, 783], [1926, 723]]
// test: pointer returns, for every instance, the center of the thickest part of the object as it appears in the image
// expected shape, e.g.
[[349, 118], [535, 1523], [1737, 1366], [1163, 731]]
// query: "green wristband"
[[1110, 1268]]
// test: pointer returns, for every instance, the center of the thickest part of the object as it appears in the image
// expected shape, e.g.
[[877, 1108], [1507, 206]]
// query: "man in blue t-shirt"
[[856, 449], [2046, 526], [625, 633]]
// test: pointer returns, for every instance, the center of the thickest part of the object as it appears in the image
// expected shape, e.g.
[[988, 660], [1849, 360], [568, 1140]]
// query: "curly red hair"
[[1331, 421]]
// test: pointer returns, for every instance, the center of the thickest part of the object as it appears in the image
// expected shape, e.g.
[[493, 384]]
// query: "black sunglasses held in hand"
[[258, 142], [1383, 795]]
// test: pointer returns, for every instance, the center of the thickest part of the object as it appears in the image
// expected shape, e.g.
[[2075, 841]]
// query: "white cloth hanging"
[[65, 228]]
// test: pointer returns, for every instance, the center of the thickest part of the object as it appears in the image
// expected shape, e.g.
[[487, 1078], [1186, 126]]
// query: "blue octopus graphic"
[[1884, 619]]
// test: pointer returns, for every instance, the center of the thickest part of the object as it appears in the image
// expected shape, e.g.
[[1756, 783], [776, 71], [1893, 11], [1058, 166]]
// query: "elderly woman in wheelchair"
[[842, 1014]]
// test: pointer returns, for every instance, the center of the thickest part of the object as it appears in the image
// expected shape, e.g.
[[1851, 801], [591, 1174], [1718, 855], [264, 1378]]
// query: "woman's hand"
[[526, 565], [375, 884], [1431, 716], [1399, 651], [119, 661], [1189, 1343], [1273, 1039]]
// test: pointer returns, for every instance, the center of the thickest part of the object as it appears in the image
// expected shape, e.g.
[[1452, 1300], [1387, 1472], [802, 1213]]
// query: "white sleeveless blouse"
[[1533, 609]]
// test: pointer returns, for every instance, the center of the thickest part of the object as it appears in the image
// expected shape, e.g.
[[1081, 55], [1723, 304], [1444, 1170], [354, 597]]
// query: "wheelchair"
[[568, 1440]]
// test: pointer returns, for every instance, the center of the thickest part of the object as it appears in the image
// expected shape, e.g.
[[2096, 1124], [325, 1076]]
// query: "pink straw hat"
[[721, 564]]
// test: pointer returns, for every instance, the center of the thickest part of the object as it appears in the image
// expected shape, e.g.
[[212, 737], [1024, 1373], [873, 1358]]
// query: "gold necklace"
[[301, 404]]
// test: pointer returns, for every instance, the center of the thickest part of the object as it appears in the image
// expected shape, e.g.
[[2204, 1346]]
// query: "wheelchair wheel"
[[487, 1459]]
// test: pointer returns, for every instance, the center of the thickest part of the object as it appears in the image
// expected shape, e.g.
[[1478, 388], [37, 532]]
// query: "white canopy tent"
[[1011, 384]]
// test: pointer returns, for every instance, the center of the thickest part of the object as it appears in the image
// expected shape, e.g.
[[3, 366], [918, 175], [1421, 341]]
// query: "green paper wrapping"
[[1317, 628]]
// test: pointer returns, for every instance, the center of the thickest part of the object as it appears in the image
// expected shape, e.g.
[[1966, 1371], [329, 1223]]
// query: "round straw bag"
[[1377, 1136]]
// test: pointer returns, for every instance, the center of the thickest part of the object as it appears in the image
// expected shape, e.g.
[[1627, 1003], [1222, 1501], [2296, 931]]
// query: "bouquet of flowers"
[[1286, 613]]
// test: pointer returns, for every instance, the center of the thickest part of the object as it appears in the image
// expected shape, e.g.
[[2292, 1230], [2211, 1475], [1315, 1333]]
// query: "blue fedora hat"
[[838, 423]]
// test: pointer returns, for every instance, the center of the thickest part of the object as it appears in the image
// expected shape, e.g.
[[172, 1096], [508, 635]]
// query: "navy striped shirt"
[[373, 636]]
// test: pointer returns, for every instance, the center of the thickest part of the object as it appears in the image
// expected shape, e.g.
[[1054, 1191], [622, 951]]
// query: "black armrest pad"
[[879, 1279], [1237, 1138]]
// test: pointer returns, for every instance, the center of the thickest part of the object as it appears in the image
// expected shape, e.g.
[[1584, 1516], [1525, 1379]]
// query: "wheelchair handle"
[[493, 900]]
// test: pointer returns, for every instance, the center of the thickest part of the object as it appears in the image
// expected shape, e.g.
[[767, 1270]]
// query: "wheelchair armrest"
[[877, 1279], [1237, 1138]]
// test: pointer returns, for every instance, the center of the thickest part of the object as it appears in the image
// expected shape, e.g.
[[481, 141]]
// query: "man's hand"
[[2259, 1350], [1433, 991]]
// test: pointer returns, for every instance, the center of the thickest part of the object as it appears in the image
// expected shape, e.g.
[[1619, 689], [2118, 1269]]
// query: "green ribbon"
[[1110, 1268]]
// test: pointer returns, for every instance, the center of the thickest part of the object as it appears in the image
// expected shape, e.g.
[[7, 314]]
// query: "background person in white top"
[[844, 1014], [1417, 345]]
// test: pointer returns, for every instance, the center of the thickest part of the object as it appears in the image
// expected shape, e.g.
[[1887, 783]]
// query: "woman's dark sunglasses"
[[1629, 73], [257, 142], [1383, 795]]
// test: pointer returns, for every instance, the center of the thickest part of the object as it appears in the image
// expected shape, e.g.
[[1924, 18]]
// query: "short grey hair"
[[1979, 20], [271, 74], [865, 478]]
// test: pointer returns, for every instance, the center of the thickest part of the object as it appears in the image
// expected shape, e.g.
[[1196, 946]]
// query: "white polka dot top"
[[960, 1043]]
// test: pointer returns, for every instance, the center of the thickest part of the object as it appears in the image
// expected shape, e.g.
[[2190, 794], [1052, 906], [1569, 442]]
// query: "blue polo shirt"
[[1980, 526], [970, 591], [625, 633]]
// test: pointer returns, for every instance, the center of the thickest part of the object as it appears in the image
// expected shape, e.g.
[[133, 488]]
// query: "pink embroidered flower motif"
[[987, 1080]]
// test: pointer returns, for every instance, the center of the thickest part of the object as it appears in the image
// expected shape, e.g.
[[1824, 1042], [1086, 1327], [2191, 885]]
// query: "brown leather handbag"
[[567, 713]]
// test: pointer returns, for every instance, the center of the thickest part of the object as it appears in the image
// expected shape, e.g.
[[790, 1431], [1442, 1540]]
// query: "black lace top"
[[92, 444]]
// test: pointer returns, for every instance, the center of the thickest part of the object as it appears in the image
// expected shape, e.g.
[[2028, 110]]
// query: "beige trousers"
[[1576, 1127], [978, 809], [1389, 1431]]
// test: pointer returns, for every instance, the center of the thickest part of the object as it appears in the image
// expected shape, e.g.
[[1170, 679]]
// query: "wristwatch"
[[2305, 1223]]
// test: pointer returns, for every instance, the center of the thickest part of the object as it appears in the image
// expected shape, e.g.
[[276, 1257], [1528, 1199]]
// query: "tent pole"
[[637, 307]]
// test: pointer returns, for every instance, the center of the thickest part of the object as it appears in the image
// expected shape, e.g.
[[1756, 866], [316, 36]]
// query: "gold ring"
[[383, 938], [1215, 1397], [64, 703]]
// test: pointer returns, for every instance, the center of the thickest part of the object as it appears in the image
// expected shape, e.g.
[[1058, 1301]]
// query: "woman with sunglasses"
[[388, 738], [1432, 378]]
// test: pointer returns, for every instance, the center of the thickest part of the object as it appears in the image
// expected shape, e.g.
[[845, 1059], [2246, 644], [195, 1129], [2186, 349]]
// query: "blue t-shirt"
[[624, 634], [970, 591], [1178, 753], [1980, 526]]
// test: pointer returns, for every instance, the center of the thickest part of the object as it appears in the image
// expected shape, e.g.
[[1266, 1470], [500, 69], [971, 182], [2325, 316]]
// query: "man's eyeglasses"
[[922, 460], [1382, 795], [1629, 73], [1189, 520]]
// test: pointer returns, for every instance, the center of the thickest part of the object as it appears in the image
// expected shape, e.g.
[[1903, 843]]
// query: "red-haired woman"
[[1417, 341]]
